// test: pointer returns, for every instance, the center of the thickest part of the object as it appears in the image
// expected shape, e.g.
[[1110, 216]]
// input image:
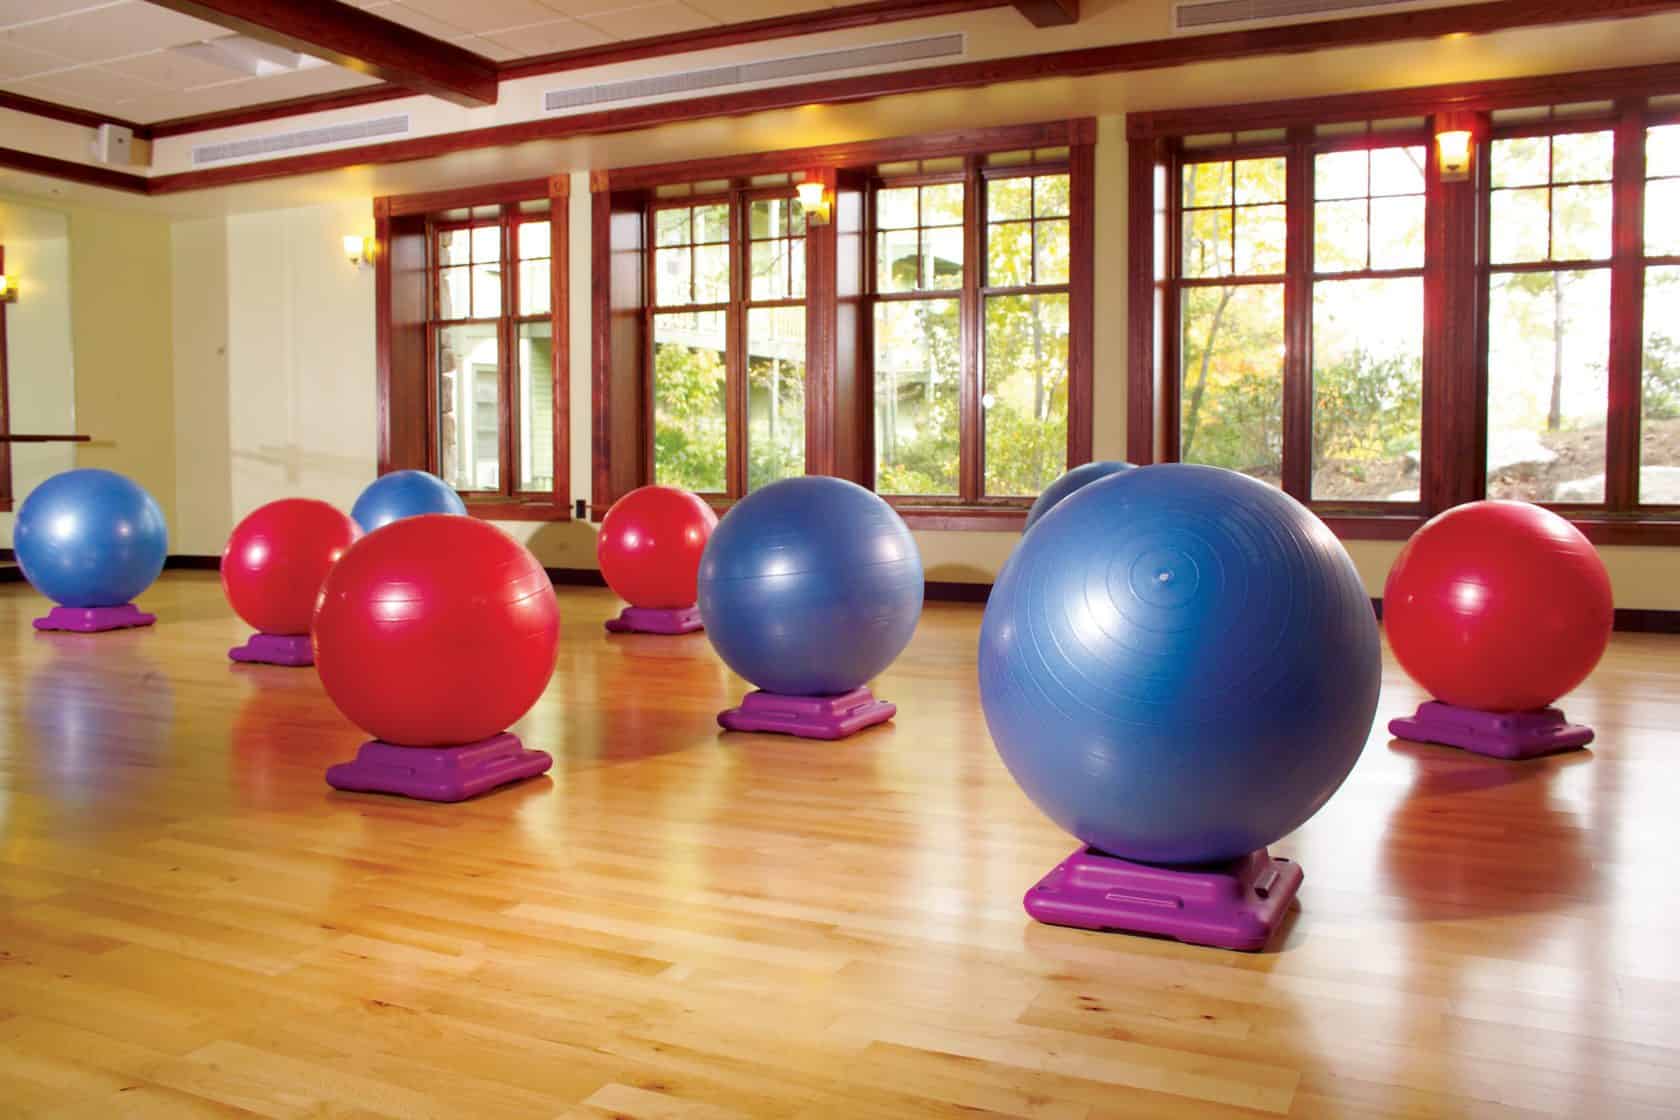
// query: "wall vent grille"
[[352, 132]]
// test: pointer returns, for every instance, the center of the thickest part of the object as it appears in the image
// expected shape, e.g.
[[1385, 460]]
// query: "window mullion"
[[507, 374], [970, 433], [1627, 308], [735, 361], [1297, 315]]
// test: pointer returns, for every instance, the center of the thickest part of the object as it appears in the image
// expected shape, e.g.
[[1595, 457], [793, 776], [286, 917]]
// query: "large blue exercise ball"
[[90, 538], [810, 586], [392, 497], [1076, 479], [1180, 666]]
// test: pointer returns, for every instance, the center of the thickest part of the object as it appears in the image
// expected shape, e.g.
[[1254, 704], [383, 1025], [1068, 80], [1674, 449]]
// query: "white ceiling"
[[113, 56]]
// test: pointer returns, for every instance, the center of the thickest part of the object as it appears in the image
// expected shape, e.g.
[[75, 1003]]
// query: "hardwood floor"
[[681, 925]]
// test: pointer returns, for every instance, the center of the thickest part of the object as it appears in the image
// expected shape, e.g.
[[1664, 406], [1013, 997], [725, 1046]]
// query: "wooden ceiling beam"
[[356, 40], [1049, 13]]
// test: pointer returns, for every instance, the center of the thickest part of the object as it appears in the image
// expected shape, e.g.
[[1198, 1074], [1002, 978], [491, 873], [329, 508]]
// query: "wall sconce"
[[358, 250], [8, 288], [1455, 146], [813, 196]]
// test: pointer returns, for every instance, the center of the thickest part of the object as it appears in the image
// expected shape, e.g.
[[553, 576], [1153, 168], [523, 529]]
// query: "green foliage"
[[1365, 411], [689, 438], [1662, 378]]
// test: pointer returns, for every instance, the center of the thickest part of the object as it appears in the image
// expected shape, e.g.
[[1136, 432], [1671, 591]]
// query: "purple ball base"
[[275, 649], [438, 773], [91, 620], [656, 620], [1236, 905], [1508, 735], [809, 717]]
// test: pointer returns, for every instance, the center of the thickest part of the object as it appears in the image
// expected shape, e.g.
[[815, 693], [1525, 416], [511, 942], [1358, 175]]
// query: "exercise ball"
[[650, 546], [276, 559], [400, 494], [1498, 606], [1076, 479], [436, 631], [810, 586], [90, 538], [1180, 666]]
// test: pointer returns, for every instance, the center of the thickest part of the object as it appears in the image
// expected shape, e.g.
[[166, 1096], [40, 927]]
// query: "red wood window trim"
[[1456, 278], [6, 493], [409, 301]]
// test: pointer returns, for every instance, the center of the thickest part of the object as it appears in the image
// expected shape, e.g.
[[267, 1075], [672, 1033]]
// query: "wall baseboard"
[[1629, 620]]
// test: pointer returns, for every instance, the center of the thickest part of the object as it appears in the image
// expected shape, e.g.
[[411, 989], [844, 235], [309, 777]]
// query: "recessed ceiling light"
[[245, 55]]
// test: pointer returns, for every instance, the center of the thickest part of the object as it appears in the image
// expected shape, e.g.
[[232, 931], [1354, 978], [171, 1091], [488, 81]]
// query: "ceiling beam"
[[1049, 13], [356, 40]]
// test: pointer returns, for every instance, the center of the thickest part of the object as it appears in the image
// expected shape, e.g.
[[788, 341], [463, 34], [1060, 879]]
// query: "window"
[[1336, 318], [727, 324], [472, 383]]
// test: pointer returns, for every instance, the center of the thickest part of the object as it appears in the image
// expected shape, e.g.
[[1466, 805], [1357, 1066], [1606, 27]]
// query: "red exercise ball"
[[276, 558], [650, 546], [436, 630], [1498, 606]]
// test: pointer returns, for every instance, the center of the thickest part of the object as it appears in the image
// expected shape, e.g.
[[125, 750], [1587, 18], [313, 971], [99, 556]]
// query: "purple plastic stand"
[[275, 649], [91, 620], [809, 717], [1236, 905], [656, 620], [1510, 735], [438, 773]]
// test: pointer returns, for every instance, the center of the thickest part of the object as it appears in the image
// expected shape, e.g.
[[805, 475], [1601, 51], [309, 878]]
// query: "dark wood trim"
[[52, 110], [600, 302], [357, 40], [822, 334], [1297, 321], [957, 517], [486, 194], [971, 342], [192, 562], [90, 174], [1626, 360], [1633, 620], [576, 577], [954, 591], [1049, 13], [560, 347], [1371, 528], [1143, 319], [1082, 269]]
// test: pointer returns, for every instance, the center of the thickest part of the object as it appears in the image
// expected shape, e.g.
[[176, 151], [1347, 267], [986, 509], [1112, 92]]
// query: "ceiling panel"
[[21, 62], [651, 19], [110, 32], [549, 38], [480, 16], [740, 11]]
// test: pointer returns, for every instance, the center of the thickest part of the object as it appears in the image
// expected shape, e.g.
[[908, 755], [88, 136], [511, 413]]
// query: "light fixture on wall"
[[813, 196], [1455, 146], [358, 250], [8, 288]]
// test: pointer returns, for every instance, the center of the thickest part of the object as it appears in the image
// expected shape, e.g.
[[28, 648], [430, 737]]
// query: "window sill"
[[507, 509], [996, 519], [1598, 527]]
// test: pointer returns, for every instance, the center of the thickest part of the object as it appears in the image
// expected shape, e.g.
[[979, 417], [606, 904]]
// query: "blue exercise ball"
[[810, 586], [90, 538], [1076, 479], [1180, 666], [392, 497]]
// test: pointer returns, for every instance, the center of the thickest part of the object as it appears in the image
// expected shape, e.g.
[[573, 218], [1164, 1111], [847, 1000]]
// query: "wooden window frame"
[[1456, 279], [839, 414], [406, 282]]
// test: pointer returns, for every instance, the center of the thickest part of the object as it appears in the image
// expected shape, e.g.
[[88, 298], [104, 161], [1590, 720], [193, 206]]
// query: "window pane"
[[917, 369], [690, 447], [1052, 247], [1367, 389], [469, 407], [453, 247], [896, 262], [711, 273], [533, 240], [775, 394], [770, 270], [1009, 254], [1260, 180], [487, 245], [487, 290], [1339, 236], [673, 226], [1260, 239], [454, 295], [1519, 225], [942, 205], [1548, 346], [1231, 404], [1582, 156], [1659, 450], [1581, 223], [1207, 243], [1521, 162], [796, 267], [1662, 150], [1207, 184], [536, 406], [1397, 232], [1025, 399], [1662, 217], [1050, 196], [672, 279], [942, 257], [764, 218], [1397, 170], [895, 208], [1008, 199], [711, 223], [533, 287], [1341, 175]]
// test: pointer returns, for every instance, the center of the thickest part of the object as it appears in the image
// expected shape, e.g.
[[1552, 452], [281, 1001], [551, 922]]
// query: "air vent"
[[1223, 15], [770, 70], [354, 132]]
